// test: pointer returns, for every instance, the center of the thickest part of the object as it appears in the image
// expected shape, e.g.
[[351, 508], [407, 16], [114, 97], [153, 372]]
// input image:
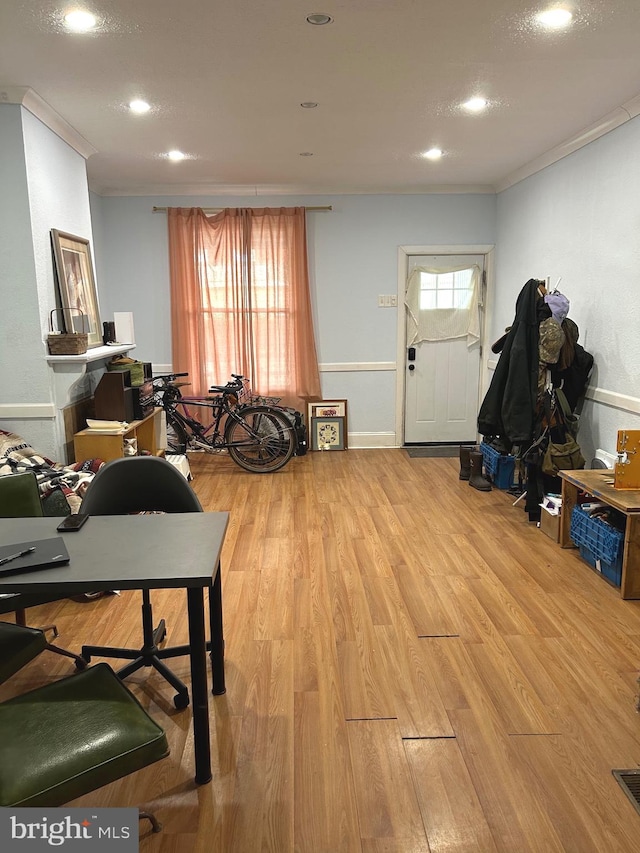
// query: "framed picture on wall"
[[74, 272]]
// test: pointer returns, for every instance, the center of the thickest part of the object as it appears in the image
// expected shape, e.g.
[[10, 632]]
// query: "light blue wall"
[[579, 219], [352, 257], [43, 186], [18, 293]]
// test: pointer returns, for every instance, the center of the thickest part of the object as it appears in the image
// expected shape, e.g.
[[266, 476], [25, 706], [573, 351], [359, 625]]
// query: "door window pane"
[[446, 290]]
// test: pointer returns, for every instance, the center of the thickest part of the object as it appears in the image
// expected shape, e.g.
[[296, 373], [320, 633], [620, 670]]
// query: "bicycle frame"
[[259, 438], [212, 434]]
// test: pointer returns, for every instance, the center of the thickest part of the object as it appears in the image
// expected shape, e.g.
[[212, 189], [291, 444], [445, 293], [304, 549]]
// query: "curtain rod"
[[218, 209]]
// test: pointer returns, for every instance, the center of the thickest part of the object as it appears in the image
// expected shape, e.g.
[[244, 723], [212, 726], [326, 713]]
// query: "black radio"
[[142, 400]]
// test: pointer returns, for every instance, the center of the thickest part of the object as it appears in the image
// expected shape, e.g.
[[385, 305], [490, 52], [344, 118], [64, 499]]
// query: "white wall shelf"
[[93, 354]]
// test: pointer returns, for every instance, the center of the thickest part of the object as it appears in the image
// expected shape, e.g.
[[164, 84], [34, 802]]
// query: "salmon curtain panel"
[[240, 300]]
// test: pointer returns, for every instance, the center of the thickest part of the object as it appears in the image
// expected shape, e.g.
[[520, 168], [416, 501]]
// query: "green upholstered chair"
[[18, 646], [20, 498], [72, 736]]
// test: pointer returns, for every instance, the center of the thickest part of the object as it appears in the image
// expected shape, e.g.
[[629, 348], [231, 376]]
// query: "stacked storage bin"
[[599, 542], [498, 467]]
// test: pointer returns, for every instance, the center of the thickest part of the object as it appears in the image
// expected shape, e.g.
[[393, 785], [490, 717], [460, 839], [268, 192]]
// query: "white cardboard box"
[[550, 524], [181, 463]]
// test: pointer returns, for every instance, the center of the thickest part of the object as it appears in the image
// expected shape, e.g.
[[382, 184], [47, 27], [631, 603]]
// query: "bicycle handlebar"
[[168, 377]]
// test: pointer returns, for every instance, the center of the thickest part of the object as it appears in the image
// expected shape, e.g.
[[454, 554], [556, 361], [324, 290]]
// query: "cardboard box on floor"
[[550, 524]]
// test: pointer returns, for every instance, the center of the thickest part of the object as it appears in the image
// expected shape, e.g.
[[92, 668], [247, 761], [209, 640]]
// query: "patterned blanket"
[[16, 456]]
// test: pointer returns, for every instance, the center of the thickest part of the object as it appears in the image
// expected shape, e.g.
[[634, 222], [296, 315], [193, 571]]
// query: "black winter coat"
[[508, 409]]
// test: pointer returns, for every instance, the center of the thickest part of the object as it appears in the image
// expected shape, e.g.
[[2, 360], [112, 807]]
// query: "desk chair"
[[71, 736], [20, 498], [18, 646], [131, 485]]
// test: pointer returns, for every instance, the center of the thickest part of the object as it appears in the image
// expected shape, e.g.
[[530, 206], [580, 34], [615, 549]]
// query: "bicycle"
[[259, 438]]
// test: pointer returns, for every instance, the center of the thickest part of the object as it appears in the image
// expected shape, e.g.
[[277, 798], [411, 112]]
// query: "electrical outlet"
[[394, 301]]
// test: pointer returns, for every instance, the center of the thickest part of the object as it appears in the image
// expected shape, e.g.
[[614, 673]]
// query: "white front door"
[[442, 376]]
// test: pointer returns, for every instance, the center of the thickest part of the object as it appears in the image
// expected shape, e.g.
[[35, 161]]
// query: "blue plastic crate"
[[498, 467], [612, 571], [602, 540]]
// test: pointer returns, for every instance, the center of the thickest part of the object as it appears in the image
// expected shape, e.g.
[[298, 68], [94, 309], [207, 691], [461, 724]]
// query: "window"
[[446, 290]]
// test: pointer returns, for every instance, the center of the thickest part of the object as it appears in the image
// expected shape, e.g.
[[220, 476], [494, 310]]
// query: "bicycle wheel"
[[176, 436], [262, 441]]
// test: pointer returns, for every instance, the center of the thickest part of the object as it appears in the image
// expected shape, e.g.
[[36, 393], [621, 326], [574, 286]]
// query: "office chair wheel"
[[86, 661], [181, 700]]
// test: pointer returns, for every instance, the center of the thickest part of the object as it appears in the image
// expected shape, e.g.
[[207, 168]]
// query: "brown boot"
[[477, 478], [465, 462]]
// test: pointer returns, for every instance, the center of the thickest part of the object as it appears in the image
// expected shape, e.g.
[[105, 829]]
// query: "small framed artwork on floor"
[[327, 433], [330, 412]]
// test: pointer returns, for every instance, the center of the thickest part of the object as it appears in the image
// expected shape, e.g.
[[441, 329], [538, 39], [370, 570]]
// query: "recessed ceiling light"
[[308, 105], [80, 21], [433, 154], [175, 155], [555, 18], [138, 106], [306, 153], [475, 105], [319, 19]]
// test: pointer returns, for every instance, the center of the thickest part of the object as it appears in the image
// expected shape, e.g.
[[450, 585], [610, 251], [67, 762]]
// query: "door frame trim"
[[404, 252]]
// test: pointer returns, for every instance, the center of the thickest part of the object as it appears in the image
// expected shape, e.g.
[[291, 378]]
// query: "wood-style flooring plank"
[[451, 811], [385, 794], [411, 667]]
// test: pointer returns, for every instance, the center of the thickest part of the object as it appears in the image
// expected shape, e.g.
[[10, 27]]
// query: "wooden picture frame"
[[76, 283], [327, 433], [328, 410]]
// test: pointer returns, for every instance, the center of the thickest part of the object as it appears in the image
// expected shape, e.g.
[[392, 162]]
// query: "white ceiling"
[[226, 80]]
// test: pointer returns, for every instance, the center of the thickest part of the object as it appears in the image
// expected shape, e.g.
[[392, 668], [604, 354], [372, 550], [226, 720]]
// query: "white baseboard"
[[370, 440]]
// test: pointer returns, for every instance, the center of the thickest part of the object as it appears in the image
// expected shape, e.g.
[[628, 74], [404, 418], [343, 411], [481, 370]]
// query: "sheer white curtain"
[[442, 303]]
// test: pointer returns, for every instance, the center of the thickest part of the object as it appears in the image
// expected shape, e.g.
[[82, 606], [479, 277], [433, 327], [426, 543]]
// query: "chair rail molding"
[[26, 411], [355, 366]]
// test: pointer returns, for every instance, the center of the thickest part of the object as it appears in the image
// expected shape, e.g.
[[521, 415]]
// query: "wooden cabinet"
[[89, 444]]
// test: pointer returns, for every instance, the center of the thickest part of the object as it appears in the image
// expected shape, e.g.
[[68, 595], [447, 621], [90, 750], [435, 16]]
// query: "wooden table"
[[172, 551], [599, 484]]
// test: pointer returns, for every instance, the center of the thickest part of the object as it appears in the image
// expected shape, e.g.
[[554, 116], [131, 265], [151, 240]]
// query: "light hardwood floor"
[[411, 667]]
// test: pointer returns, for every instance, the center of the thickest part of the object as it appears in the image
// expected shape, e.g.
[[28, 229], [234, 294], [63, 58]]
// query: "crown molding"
[[606, 124], [280, 189], [31, 101]]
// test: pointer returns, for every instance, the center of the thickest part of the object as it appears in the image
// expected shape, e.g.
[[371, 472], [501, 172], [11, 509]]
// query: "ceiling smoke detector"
[[319, 19]]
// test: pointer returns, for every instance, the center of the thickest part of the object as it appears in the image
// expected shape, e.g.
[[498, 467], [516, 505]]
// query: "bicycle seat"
[[224, 389]]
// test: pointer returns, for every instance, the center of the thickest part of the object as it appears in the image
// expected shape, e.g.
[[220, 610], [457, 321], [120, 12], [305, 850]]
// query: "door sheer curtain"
[[240, 300]]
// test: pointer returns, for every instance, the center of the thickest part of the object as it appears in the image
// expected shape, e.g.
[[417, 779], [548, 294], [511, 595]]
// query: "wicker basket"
[[66, 343]]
